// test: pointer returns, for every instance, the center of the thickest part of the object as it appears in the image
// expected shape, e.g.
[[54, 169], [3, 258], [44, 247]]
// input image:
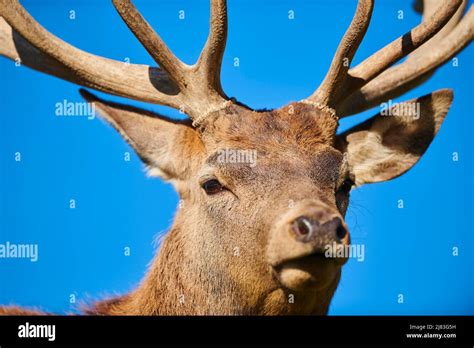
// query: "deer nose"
[[307, 229], [310, 228]]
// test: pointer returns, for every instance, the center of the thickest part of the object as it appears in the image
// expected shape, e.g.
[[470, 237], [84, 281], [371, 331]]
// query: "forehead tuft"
[[297, 126]]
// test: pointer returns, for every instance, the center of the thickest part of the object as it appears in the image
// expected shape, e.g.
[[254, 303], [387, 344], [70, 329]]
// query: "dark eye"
[[346, 186], [342, 195], [212, 186]]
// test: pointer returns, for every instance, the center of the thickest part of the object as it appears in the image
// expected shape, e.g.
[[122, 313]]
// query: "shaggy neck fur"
[[175, 285]]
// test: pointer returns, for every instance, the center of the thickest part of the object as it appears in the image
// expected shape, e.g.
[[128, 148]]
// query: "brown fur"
[[15, 310]]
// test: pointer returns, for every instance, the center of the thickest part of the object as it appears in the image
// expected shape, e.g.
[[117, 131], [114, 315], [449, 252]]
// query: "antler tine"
[[210, 60], [328, 93], [397, 49], [27, 40], [427, 9], [414, 71], [151, 41], [199, 84]]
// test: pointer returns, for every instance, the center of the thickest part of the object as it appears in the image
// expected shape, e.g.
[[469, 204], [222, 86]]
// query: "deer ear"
[[390, 143], [171, 149]]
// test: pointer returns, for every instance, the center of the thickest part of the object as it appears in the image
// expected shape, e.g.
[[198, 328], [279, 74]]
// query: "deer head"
[[264, 193]]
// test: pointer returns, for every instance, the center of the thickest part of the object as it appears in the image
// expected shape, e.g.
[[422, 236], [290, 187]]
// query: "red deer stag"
[[281, 211]]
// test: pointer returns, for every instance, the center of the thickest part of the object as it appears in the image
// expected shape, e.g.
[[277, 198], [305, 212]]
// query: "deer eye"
[[342, 194], [345, 186], [212, 186]]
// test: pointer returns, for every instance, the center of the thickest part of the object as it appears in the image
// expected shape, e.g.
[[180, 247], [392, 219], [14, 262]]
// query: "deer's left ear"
[[390, 143], [171, 149]]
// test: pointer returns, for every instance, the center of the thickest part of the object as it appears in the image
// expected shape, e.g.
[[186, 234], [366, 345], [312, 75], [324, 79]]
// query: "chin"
[[309, 274]]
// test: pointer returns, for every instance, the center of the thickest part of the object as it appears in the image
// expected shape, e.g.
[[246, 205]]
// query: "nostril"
[[302, 226], [340, 231]]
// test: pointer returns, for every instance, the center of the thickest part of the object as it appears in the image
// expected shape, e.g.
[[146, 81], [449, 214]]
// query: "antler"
[[435, 40], [330, 89], [440, 37], [197, 89], [194, 89]]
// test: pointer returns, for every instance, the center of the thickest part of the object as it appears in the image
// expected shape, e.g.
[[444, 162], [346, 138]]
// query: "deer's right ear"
[[171, 149]]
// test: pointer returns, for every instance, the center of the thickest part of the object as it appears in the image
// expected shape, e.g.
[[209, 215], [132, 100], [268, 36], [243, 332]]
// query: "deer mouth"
[[312, 258], [313, 271]]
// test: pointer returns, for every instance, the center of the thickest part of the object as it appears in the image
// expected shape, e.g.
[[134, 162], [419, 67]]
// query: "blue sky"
[[409, 251]]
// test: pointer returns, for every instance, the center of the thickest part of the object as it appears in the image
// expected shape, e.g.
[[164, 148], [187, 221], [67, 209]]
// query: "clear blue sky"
[[81, 251]]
